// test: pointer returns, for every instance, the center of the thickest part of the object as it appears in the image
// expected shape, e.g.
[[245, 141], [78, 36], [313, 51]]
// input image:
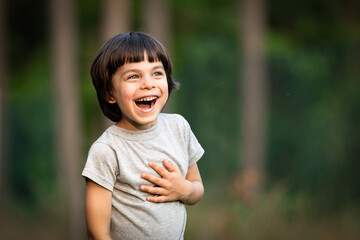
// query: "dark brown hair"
[[125, 48]]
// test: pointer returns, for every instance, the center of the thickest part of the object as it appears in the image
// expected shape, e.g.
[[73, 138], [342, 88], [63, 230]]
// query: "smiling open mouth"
[[146, 102]]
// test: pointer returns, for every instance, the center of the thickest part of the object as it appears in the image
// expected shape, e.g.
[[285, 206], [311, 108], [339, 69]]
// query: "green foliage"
[[313, 122], [27, 29], [276, 215], [32, 163], [208, 98]]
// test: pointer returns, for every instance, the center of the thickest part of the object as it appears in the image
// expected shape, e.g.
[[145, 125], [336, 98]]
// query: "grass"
[[220, 215]]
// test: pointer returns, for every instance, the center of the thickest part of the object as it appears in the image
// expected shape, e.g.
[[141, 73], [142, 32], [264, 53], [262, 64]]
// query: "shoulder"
[[104, 144], [102, 154], [173, 119], [175, 124], [100, 147]]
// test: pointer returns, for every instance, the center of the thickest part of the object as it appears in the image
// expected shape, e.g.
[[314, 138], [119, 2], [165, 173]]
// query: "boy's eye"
[[133, 77], [157, 74]]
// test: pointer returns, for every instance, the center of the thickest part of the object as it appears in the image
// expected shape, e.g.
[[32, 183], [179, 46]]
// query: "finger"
[[160, 170], [170, 167], [153, 179], [157, 199], [153, 190]]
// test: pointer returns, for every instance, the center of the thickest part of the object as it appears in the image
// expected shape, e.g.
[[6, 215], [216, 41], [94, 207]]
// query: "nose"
[[148, 82]]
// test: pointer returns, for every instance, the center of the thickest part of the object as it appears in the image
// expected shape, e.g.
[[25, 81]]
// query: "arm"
[[193, 175], [97, 211], [172, 185]]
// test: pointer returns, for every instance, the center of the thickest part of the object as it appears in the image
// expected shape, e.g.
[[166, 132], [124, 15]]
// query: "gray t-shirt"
[[116, 161]]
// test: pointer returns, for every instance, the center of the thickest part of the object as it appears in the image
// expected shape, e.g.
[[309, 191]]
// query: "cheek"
[[164, 87], [165, 91], [126, 92], [124, 98]]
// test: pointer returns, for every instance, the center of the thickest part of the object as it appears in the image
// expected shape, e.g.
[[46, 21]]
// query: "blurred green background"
[[311, 187]]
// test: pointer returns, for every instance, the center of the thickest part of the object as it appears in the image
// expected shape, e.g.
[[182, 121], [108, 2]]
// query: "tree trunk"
[[253, 101], [3, 101], [157, 22], [67, 112], [116, 18]]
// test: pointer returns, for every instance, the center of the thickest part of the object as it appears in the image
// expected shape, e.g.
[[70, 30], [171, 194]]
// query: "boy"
[[142, 170]]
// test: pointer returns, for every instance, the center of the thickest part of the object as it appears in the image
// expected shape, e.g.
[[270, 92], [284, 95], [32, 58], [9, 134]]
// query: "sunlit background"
[[271, 89]]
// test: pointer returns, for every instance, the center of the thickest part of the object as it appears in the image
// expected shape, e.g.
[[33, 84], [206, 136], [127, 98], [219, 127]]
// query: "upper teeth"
[[146, 99]]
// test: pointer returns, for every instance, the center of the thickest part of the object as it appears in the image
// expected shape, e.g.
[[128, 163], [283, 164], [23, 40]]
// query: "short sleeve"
[[195, 150], [101, 165]]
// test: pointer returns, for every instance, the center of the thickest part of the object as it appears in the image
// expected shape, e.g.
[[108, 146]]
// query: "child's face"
[[141, 91]]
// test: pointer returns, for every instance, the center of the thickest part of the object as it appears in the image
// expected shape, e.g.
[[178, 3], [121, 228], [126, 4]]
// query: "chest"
[[133, 157]]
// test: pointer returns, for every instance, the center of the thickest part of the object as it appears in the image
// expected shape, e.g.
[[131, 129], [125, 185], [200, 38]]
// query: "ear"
[[111, 100]]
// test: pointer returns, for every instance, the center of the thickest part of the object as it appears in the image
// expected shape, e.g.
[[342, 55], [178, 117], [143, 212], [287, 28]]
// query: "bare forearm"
[[97, 211], [195, 194], [102, 237]]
